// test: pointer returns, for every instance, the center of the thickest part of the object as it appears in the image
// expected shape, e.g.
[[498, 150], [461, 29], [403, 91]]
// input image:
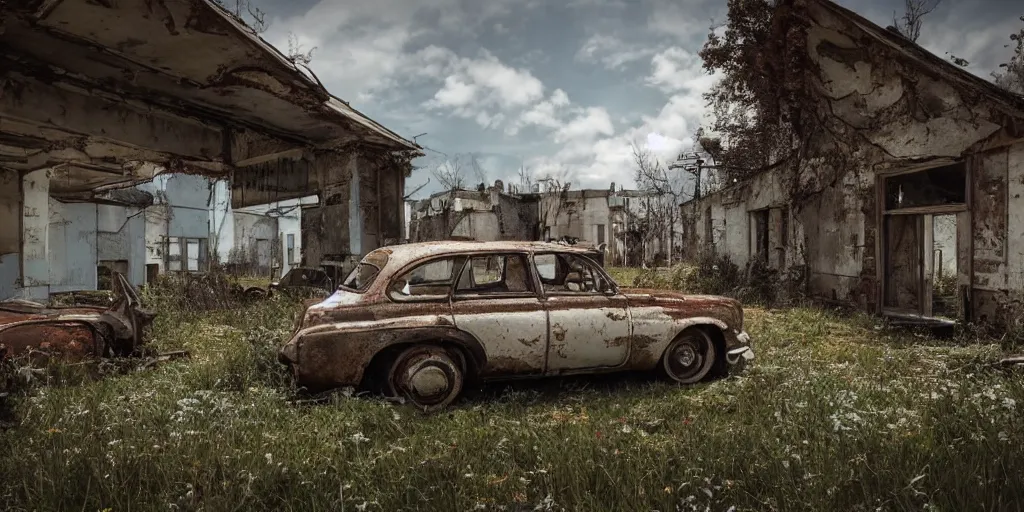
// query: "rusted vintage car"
[[417, 320], [74, 332], [299, 281]]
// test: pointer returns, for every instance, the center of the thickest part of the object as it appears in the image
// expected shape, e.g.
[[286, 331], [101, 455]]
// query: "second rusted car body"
[[77, 332], [420, 318]]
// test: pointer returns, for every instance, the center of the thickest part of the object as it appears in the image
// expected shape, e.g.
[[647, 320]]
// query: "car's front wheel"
[[428, 376], [690, 357]]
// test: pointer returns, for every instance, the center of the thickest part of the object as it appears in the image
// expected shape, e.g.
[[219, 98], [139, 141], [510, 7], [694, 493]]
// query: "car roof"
[[400, 255]]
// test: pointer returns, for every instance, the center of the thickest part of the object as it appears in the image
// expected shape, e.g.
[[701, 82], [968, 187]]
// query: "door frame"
[[964, 240]]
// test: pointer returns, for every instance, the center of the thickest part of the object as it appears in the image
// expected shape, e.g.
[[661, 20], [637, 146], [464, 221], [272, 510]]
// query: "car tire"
[[690, 357], [427, 376]]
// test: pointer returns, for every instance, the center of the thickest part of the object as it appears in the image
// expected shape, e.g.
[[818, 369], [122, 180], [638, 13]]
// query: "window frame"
[[613, 286], [532, 280], [457, 267]]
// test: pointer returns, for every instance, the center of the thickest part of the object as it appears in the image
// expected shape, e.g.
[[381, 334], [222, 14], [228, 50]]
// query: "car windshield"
[[363, 275]]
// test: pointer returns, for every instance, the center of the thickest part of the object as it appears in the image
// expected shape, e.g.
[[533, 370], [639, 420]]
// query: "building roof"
[[926, 60], [192, 56]]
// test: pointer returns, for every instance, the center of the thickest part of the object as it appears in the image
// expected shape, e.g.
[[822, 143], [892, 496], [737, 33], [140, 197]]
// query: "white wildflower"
[[358, 437]]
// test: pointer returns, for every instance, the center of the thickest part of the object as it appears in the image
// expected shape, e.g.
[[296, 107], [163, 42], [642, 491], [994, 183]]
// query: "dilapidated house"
[[903, 194], [614, 218], [95, 95]]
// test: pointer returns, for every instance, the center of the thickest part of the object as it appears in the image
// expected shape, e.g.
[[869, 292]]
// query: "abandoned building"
[[907, 201], [593, 217], [97, 96]]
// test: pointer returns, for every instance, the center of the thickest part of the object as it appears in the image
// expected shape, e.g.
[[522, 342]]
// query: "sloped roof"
[[925, 59]]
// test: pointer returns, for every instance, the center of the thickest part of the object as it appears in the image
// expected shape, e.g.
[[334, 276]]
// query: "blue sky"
[[560, 86]]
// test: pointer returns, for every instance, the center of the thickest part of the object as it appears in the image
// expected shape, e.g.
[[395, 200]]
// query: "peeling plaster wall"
[[35, 222], [72, 246], [10, 236]]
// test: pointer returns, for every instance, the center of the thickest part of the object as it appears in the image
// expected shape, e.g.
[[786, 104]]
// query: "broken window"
[[759, 234], [938, 186], [291, 248], [173, 255], [600, 234], [429, 281], [495, 274], [560, 273], [105, 273]]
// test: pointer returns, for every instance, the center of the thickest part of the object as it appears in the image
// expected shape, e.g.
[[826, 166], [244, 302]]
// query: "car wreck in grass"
[[74, 333], [299, 281], [417, 320]]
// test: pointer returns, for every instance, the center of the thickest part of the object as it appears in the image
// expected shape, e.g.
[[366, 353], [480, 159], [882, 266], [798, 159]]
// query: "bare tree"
[[555, 201], [252, 16], [296, 53], [664, 188], [909, 25], [451, 174]]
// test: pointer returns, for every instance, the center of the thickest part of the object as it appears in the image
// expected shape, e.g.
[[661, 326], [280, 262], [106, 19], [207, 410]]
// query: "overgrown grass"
[[834, 414]]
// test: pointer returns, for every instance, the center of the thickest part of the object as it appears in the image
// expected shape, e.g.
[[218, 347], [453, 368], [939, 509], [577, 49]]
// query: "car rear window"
[[366, 272]]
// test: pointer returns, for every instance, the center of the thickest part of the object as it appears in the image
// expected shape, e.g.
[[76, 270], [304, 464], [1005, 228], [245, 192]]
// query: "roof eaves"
[[331, 102]]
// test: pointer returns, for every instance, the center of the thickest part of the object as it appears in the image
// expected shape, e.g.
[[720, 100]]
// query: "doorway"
[[925, 243]]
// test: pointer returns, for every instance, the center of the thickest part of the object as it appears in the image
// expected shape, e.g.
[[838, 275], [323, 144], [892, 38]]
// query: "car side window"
[[495, 274], [429, 281], [569, 273]]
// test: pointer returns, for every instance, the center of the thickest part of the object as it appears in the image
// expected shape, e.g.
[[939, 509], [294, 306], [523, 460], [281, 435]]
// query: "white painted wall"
[[35, 222], [71, 252], [121, 235]]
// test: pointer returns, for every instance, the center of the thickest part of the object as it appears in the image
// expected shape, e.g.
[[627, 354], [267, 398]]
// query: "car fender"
[[326, 357], [652, 336]]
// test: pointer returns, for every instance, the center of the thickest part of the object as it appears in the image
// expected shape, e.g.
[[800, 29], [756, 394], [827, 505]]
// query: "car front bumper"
[[744, 352]]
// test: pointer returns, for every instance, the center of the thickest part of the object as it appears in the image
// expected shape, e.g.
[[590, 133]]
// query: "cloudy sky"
[[555, 85]]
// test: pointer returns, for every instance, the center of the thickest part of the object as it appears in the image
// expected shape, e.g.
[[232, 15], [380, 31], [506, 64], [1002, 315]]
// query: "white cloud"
[[611, 51], [482, 85], [676, 69], [589, 123]]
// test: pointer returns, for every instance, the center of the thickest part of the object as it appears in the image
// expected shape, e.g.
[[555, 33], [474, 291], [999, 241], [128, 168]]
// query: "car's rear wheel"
[[428, 376], [690, 357]]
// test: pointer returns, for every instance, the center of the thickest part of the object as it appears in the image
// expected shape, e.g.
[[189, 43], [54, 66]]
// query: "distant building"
[[619, 219]]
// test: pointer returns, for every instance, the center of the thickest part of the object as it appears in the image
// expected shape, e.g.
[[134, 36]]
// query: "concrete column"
[[35, 223]]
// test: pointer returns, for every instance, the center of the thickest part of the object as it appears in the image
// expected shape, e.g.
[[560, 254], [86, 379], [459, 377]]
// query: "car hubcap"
[[686, 356], [430, 382]]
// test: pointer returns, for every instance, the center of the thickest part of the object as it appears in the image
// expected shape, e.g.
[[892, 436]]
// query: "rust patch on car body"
[[530, 342]]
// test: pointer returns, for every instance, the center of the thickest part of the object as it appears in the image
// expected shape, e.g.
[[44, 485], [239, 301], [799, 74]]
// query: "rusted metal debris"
[[417, 320], [74, 333]]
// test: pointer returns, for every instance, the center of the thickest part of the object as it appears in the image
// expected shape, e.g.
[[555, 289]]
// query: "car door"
[[589, 320], [495, 301]]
